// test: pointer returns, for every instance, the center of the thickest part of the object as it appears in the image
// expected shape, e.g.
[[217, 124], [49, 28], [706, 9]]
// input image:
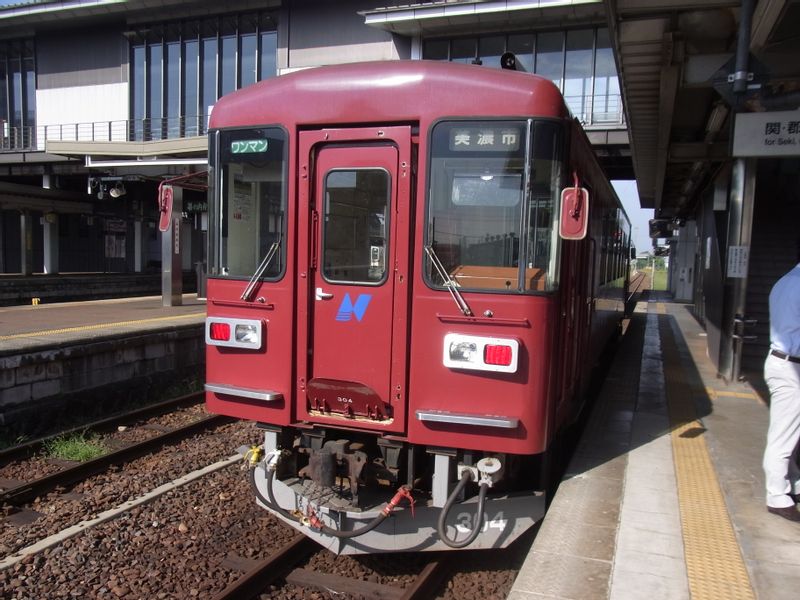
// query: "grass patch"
[[660, 280], [76, 446]]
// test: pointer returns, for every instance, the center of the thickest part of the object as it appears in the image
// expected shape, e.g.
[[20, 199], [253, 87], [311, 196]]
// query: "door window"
[[356, 221]]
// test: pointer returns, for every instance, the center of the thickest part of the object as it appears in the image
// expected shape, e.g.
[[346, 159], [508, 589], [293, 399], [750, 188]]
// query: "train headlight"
[[247, 334], [500, 355], [462, 351]]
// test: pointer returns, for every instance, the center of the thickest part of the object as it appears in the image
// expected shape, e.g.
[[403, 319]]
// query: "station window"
[[180, 69], [580, 62], [17, 95]]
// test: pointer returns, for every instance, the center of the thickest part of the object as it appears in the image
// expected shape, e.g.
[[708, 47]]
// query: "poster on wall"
[[115, 230], [738, 256]]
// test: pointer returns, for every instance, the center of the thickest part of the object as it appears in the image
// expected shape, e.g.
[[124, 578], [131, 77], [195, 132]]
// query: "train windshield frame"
[[249, 190], [493, 194]]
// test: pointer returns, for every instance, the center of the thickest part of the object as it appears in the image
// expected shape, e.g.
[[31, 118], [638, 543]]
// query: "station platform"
[[664, 497], [29, 327], [86, 359]]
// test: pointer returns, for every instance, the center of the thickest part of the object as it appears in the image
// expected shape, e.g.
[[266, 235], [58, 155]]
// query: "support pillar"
[[171, 257], [740, 227], [2, 245], [51, 243], [26, 243], [138, 247]]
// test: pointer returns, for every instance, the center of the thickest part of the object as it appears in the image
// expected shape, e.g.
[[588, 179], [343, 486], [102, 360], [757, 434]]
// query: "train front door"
[[358, 222]]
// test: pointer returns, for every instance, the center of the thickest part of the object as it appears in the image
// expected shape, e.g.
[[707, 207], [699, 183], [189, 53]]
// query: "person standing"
[[782, 374]]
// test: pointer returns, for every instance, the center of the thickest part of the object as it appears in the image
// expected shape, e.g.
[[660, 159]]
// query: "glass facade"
[[179, 70], [580, 62], [17, 94]]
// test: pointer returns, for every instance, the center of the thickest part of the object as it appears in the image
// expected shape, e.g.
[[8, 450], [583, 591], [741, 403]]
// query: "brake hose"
[[314, 522], [441, 525]]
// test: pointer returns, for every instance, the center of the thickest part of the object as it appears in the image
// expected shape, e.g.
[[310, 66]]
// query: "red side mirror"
[[574, 212], [164, 207]]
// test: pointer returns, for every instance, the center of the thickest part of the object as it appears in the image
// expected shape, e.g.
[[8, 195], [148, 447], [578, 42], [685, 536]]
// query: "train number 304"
[[464, 522]]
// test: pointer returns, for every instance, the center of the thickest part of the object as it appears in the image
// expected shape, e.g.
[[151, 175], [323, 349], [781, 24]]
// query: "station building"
[[102, 100]]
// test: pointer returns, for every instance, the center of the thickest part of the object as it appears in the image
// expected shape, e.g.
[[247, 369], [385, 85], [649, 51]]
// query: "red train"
[[413, 267]]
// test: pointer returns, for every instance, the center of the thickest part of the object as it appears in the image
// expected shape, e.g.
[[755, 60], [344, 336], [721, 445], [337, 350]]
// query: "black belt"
[[782, 356]]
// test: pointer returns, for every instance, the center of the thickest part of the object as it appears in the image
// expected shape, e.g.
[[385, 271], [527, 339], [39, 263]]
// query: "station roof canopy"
[[445, 16], [674, 59]]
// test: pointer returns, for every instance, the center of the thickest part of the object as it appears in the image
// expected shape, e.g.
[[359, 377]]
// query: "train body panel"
[[390, 299]]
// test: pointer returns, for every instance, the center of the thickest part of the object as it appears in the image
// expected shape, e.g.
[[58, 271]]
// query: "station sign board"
[[767, 134]]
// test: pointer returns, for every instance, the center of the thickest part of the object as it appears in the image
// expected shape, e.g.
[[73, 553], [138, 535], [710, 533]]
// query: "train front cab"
[[396, 323]]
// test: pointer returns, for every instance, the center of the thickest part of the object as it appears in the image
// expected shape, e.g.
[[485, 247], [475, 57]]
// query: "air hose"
[[441, 525], [312, 520]]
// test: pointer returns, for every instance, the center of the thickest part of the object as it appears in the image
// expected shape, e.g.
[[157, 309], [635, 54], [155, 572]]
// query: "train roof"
[[389, 92]]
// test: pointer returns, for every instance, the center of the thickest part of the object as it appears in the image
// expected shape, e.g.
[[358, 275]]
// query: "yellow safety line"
[[93, 327], [714, 563]]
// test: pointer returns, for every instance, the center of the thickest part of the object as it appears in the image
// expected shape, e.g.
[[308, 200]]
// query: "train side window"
[[542, 244]]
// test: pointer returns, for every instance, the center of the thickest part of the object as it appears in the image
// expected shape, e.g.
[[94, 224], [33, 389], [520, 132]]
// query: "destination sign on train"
[[249, 146], [482, 139]]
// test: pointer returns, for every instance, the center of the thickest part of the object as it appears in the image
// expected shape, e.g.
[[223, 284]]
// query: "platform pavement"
[[27, 328], [664, 497]]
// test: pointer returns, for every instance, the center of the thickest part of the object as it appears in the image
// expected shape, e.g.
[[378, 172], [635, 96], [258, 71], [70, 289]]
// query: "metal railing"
[[600, 110], [593, 111], [27, 139]]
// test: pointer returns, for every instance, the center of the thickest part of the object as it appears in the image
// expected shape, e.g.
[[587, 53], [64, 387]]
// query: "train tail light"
[[247, 334], [480, 353], [219, 332], [497, 354]]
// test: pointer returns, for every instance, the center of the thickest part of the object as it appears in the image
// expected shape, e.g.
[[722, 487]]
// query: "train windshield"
[[249, 215], [492, 203]]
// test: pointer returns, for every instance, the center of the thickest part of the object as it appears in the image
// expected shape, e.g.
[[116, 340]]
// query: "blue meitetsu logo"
[[347, 309]]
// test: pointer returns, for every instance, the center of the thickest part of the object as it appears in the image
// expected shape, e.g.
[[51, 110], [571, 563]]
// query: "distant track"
[[28, 449], [29, 490]]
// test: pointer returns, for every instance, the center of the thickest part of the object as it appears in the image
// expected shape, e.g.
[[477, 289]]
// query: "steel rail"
[[279, 565], [27, 491], [429, 579], [274, 567], [30, 448], [635, 287]]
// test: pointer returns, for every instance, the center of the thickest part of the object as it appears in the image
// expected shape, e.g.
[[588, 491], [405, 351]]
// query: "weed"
[[76, 446]]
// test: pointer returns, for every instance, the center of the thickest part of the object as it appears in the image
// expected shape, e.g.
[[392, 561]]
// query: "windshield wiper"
[[251, 285], [449, 282]]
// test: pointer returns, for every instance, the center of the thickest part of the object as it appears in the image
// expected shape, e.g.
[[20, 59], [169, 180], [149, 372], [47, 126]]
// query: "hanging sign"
[[767, 134]]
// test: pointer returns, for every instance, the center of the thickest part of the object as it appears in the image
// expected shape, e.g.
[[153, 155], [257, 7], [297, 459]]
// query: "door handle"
[[320, 295]]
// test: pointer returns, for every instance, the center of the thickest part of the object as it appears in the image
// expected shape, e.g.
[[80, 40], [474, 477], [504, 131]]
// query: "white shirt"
[[784, 313]]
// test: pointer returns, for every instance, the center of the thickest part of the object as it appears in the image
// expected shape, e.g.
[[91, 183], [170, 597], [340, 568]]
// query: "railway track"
[[282, 565], [28, 449], [192, 536], [27, 491]]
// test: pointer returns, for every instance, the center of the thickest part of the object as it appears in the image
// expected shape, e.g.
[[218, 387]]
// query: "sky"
[[640, 228]]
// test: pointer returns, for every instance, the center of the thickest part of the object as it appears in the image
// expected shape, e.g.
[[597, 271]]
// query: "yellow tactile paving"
[[714, 563], [715, 393], [46, 332]]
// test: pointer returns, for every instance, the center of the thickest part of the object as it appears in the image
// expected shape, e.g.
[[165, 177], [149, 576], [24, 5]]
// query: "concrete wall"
[[81, 77], [315, 33], [41, 388]]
